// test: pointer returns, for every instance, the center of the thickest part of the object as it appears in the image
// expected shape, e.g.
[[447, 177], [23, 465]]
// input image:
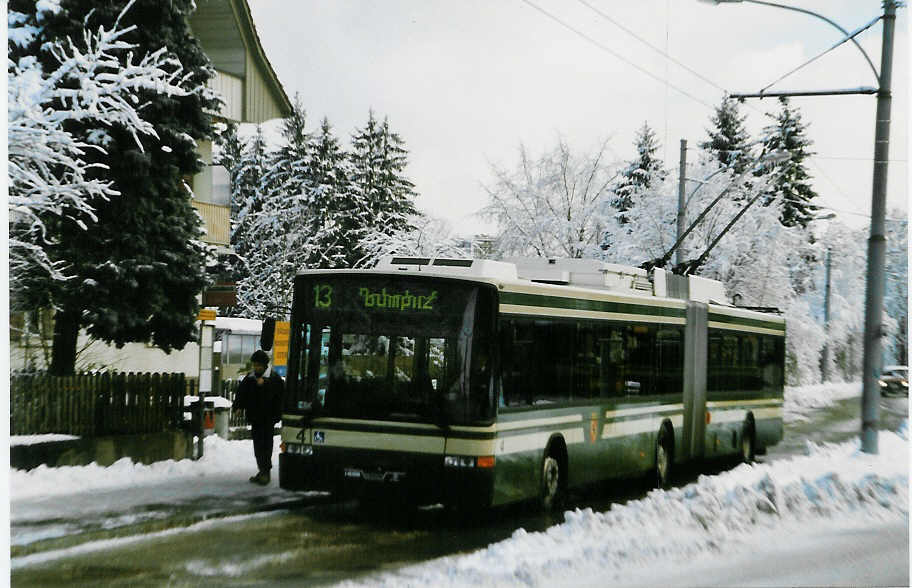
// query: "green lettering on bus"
[[323, 296], [397, 301]]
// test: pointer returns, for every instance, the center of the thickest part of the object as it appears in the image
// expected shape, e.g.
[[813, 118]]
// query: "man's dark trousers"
[[262, 445]]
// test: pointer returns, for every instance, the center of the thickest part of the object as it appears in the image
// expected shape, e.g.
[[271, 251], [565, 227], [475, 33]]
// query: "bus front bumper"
[[416, 478]]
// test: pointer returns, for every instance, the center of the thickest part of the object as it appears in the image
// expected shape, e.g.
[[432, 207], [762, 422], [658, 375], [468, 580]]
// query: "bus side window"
[[586, 372], [613, 360], [517, 362], [640, 343], [670, 361], [714, 363], [770, 357], [751, 378]]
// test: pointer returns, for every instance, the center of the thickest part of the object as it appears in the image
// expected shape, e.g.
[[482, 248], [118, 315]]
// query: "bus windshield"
[[396, 348]]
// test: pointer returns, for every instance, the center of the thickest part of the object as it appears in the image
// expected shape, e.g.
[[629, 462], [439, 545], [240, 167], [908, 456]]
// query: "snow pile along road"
[[221, 458], [715, 515], [801, 400]]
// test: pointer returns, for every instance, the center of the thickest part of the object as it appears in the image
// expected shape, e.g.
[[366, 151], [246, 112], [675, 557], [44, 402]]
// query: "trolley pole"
[[874, 292], [679, 256]]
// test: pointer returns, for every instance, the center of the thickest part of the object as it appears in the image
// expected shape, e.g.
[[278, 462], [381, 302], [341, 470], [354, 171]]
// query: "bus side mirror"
[[267, 334]]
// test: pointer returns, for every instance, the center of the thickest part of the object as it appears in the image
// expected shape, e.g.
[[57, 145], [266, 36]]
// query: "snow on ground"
[[221, 459], [33, 439], [683, 527], [799, 401], [833, 485]]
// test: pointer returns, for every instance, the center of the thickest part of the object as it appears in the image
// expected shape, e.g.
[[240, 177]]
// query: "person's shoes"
[[263, 478], [255, 479]]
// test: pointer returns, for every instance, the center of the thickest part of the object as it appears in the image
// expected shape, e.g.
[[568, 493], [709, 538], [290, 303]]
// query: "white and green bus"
[[476, 383]]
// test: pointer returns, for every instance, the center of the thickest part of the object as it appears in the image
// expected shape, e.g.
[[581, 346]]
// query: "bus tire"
[[552, 481], [748, 442], [664, 457]]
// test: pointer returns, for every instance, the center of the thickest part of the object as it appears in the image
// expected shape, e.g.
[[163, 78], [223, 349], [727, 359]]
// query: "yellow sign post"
[[280, 343], [206, 314]]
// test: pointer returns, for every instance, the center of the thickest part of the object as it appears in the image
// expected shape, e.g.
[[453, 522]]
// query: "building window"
[[221, 185]]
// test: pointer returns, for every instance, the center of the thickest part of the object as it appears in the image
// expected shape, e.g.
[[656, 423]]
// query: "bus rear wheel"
[[551, 483], [748, 443], [663, 459]]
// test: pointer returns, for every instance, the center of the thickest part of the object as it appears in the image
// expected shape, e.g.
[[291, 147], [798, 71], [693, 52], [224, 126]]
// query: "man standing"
[[260, 395]]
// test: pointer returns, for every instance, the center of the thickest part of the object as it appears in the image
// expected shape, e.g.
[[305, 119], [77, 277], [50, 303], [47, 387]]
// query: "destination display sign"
[[375, 298], [387, 298]]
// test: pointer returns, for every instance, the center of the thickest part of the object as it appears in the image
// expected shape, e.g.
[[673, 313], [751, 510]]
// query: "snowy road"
[[839, 555], [327, 543]]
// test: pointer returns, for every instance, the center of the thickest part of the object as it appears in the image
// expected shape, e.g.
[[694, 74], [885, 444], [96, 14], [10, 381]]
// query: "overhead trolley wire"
[[616, 54], [651, 46]]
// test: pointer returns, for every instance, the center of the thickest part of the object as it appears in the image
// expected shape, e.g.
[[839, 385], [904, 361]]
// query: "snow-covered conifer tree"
[[336, 216], [729, 141], [792, 190], [248, 199], [49, 177], [640, 174], [284, 227], [378, 184], [133, 260]]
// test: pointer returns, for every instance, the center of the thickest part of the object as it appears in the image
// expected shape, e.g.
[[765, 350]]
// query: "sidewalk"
[[56, 507]]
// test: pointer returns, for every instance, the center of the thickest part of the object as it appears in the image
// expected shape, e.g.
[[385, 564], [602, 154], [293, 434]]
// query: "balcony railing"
[[216, 221]]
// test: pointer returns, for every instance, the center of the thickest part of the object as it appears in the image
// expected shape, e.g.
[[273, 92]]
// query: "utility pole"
[[825, 366], [679, 256], [874, 292]]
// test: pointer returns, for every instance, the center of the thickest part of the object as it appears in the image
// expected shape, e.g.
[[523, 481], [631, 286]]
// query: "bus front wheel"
[[551, 482]]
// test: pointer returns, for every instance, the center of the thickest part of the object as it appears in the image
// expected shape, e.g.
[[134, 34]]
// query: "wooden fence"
[[92, 405], [229, 390]]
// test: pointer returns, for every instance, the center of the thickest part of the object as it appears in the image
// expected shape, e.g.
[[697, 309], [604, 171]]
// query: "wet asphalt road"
[[323, 543]]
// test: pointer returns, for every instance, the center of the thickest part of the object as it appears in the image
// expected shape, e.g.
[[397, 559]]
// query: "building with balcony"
[[251, 93]]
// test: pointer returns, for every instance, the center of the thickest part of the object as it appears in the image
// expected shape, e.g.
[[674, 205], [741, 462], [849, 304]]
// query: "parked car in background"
[[894, 380]]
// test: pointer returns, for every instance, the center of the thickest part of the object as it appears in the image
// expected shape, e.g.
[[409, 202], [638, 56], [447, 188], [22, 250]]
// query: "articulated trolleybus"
[[476, 383]]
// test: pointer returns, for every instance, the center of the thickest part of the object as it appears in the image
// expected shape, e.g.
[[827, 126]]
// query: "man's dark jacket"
[[263, 404]]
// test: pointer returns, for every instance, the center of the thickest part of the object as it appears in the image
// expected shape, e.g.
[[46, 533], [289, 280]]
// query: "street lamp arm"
[[826, 20], [839, 43]]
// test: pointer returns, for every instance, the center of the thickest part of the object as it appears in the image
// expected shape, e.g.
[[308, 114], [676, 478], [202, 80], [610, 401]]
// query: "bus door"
[[695, 364]]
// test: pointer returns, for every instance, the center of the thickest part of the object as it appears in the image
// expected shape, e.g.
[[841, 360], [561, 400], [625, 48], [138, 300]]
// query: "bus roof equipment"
[[583, 273]]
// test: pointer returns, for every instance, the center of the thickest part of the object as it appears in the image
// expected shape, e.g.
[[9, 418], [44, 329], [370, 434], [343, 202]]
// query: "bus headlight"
[[458, 461], [461, 461], [298, 449]]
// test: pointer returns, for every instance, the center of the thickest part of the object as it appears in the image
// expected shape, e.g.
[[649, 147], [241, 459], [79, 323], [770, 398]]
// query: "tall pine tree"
[[378, 184], [640, 174], [335, 216], [280, 235], [729, 141], [248, 200], [791, 187], [137, 271]]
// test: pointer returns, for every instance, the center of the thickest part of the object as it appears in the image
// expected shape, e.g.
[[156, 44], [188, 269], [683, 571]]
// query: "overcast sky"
[[465, 81]]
